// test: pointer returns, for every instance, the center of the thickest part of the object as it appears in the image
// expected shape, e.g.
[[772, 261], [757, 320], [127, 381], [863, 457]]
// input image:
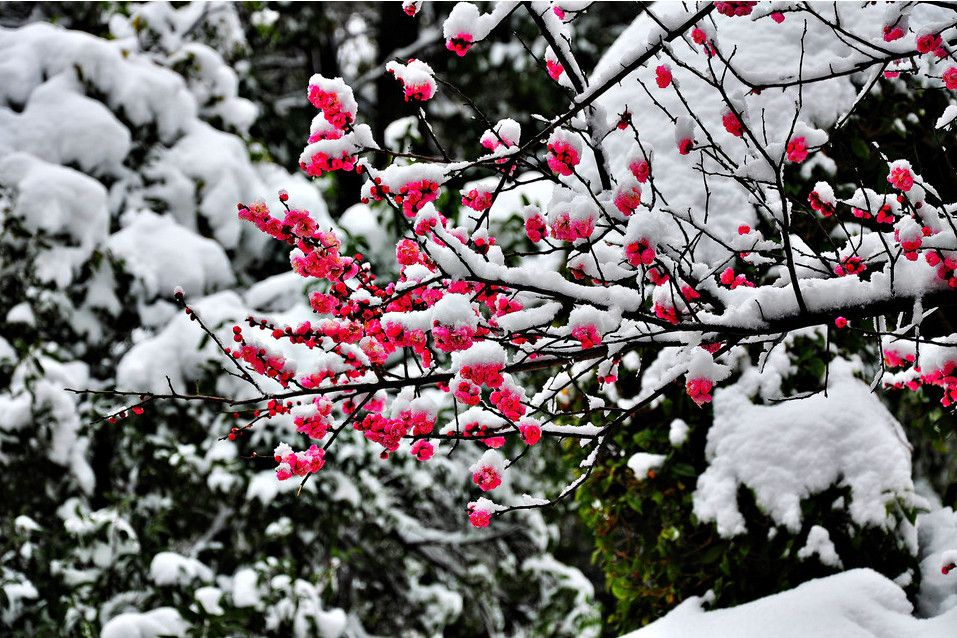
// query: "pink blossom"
[[422, 450], [299, 223], [298, 463], [901, 178], [732, 124], [531, 433], [853, 265], [929, 42], [588, 335], [826, 208], [480, 518], [627, 198], [535, 228], [950, 78], [640, 169], [797, 150], [732, 9], [407, 252], [467, 393], [640, 253], [454, 338], [730, 279], [699, 390], [555, 69], [563, 156], [663, 76], [666, 312], [414, 195], [892, 32], [509, 403], [321, 163], [476, 199], [487, 478], [460, 44], [331, 103], [909, 241], [885, 215], [487, 374], [567, 229]]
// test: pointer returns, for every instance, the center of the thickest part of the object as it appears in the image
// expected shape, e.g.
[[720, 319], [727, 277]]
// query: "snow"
[[163, 254], [71, 202], [17, 593], [63, 127], [786, 451], [678, 433], [170, 568], [859, 603], [819, 544], [162, 622], [46, 392], [26, 524], [642, 462], [937, 533], [209, 598], [174, 350], [947, 117], [244, 591]]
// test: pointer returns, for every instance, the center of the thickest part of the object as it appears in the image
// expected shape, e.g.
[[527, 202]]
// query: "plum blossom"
[[628, 196], [797, 149], [487, 471], [564, 152], [900, 175], [663, 76]]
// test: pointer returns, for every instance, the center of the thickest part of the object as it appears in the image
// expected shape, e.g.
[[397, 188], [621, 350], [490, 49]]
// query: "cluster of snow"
[[789, 450]]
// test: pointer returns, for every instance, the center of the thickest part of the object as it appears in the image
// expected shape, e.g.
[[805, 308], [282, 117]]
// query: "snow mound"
[[855, 604]]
